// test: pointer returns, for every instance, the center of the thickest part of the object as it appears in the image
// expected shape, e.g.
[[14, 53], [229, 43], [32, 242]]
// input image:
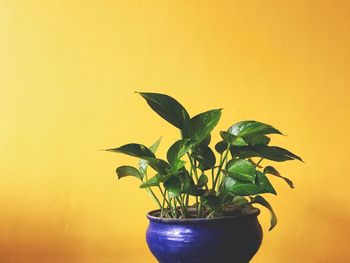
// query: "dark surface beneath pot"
[[230, 239]]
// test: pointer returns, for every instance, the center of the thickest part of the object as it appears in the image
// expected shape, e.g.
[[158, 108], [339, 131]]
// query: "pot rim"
[[248, 212]]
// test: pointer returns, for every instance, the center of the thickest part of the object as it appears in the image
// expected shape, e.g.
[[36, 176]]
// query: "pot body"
[[233, 239]]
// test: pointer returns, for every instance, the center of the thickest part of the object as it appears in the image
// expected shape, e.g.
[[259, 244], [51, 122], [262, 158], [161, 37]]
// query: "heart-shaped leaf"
[[242, 170], [178, 149], [173, 186], [221, 146], [262, 201], [202, 124], [126, 170], [177, 165], [204, 156], [252, 129], [212, 202], [242, 188], [244, 152], [134, 149], [273, 171], [168, 108], [276, 153], [273, 153], [232, 139], [260, 139], [206, 140], [227, 137]]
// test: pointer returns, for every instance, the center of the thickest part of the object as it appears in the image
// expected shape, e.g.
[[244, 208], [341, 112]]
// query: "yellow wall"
[[68, 70]]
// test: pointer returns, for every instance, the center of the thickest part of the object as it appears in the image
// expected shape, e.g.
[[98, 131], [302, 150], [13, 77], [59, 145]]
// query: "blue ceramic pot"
[[229, 239]]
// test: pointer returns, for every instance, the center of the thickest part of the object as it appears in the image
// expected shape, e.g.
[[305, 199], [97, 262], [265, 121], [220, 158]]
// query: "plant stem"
[[222, 178], [183, 200], [187, 202], [171, 207], [259, 161], [220, 166], [205, 212], [163, 205], [175, 209], [163, 194], [193, 167], [153, 196], [211, 214], [182, 209], [199, 207], [200, 210], [212, 178]]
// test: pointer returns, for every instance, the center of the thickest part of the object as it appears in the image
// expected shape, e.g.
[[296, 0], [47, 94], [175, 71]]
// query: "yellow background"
[[68, 72]]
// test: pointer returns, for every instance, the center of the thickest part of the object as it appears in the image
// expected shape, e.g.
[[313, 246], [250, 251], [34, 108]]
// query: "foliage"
[[193, 182]]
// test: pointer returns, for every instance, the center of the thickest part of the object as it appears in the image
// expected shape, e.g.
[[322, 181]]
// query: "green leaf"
[[154, 146], [154, 181], [173, 186], [212, 201], [262, 201], [240, 200], [163, 178], [242, 170], [244, 152], [190, 188], [177, 165], [202, 124], [232, 139], [239, 141], [260, 139], [273, 171], [178, 149], [273, 153], [188, 185], [227, 137], [252, 129], [134, 149], [221, 146], [158, 165], [125, 170], [202, 180], [206, 140], [168, 108], [242, 188], [204, 156], [143, 164], [226, 197]]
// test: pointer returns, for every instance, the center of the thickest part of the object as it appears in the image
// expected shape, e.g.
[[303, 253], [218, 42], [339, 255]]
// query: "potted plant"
[[205, 199]]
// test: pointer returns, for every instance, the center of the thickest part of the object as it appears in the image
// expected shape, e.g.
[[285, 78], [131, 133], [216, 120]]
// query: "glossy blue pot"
[[229, 239]]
